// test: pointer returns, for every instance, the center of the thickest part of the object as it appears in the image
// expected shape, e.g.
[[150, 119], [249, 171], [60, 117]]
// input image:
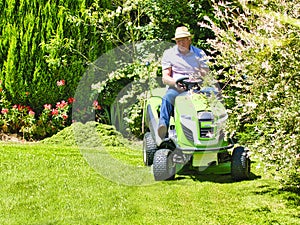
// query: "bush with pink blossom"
[[30, 125]]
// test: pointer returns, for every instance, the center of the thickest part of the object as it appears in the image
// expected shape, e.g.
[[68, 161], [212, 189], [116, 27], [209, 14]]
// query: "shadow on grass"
[[216, 178], [292, 196]]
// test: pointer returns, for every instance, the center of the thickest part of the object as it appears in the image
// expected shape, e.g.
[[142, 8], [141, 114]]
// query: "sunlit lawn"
[[42, 184]]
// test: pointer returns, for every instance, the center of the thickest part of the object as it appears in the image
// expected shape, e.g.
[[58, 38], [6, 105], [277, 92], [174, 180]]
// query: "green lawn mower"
[[195, 139]]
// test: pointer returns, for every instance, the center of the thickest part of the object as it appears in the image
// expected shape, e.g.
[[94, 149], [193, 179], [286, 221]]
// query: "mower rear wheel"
[[149, 148], [163, 166], [240, 164]]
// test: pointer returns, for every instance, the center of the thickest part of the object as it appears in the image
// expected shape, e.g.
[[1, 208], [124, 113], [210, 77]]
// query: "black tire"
[[163, 166], [240, 164], [149, 148]]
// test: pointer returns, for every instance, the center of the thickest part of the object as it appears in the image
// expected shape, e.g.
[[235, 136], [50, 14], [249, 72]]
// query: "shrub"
[[24, 121], [126, 102], [40, 45], [259, 55]]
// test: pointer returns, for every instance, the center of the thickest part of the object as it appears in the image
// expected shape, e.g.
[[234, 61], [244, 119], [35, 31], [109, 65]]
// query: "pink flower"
[[4, 111], [60, 83], [96, 105], [65, 116], [31, 113], [54, 112], [61, 105], [47, 106]]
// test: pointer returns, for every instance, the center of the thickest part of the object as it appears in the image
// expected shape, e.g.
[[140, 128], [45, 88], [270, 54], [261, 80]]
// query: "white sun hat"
[[181, 32]]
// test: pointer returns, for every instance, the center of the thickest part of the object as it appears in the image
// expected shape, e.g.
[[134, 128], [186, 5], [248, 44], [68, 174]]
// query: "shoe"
[[162, 131]]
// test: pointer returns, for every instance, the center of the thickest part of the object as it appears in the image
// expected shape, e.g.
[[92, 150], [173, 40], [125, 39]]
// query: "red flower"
[[60, 83], [20, 107], [54, 112], [71, 100], [65, 116], [47, 106], [4, 111]]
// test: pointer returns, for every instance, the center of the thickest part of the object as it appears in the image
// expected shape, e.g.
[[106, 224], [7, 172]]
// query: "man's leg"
[[166, 109]]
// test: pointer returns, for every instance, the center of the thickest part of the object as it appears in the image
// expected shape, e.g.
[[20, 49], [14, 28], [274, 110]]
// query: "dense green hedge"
[[40, 46]]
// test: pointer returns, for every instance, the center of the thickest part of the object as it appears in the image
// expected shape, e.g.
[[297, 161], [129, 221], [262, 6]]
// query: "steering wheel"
[[180, 82], [189, 84]]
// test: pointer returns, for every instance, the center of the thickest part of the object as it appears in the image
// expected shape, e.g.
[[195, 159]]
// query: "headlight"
[[205, 116], [187, 117]]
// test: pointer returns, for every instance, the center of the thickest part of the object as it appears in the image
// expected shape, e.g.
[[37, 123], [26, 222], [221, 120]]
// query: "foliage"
[[23, 120], [127, 102], [259, 57], [167, 15], [136, 20], [54, 41], [39, 46], [130, 22]]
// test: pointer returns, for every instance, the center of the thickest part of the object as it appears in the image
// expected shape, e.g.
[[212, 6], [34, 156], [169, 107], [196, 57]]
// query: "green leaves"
[[266, 52], [41, 47]]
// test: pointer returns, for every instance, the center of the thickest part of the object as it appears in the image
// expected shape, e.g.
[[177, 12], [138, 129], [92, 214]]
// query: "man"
[[179, 61]]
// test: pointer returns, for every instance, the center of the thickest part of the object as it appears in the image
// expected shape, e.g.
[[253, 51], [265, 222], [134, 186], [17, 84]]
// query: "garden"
[[84, 67]]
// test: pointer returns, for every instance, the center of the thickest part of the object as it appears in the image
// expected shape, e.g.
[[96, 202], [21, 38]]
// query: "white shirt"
[[184, 64]]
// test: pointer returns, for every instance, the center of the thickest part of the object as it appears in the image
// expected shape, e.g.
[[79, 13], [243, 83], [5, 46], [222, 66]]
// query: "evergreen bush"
[[40, 46]]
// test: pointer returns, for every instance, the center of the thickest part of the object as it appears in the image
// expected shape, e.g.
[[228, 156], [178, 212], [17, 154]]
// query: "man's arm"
[[169, 80]]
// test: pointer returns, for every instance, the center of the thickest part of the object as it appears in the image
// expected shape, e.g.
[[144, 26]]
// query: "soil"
[[11, 137]]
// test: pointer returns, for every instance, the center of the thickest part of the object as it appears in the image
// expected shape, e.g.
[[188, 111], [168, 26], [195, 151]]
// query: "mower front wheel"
[[240, 164], [163, 166], [149, 148]]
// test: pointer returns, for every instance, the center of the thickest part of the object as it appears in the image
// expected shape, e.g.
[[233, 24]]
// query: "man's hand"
[[169, 80], [180, 87]]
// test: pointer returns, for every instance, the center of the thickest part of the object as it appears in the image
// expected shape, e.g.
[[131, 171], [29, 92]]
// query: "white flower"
[[96, 86], [119, 10], [265, 65], [251, 104]]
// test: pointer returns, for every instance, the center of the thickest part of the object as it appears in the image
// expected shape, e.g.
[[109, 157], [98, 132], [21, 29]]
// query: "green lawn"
[[47, 184]]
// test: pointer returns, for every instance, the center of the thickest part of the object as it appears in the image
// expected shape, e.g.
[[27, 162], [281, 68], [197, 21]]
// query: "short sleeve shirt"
[[184, 64]]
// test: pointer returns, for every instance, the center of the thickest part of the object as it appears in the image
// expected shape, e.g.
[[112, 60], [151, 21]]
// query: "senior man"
[[182, 60]]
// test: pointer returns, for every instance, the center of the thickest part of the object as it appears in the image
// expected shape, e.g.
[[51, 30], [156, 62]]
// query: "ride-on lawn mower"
[[195, 139]]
